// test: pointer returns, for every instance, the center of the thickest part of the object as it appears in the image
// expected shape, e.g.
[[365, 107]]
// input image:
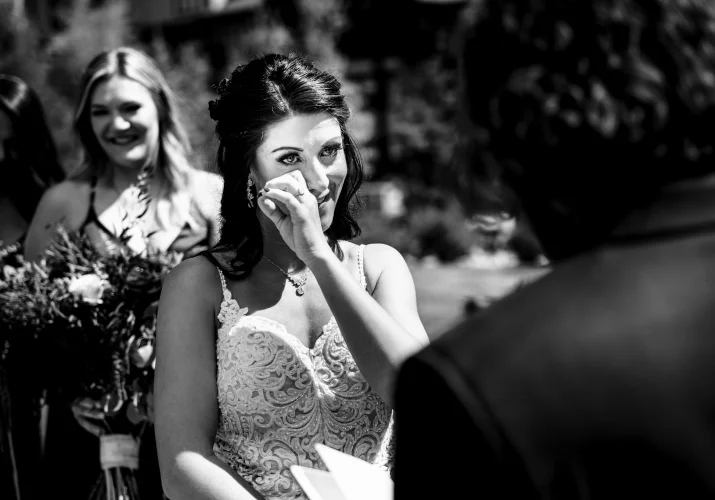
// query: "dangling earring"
[[249, 192]]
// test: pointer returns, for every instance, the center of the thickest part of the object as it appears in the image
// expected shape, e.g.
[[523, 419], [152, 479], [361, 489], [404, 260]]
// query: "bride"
[[284, 335]]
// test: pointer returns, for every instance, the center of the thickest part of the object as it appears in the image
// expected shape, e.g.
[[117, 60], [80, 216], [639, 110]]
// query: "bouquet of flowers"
[[88, 320]]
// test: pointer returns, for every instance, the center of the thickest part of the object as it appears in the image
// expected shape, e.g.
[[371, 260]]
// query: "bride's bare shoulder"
[[195, 277], [195, 272]]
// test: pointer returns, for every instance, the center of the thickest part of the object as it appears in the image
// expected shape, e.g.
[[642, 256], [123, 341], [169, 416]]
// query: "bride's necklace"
[[298, 283]]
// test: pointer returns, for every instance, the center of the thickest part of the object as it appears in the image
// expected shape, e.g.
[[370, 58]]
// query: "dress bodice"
[[278, 398]]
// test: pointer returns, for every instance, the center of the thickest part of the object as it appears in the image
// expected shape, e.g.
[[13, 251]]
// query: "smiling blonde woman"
[[133, 145], [135, 173]]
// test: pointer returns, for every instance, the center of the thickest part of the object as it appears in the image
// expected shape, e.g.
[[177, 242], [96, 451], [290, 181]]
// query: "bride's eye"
[[290, 159], [331, 150]]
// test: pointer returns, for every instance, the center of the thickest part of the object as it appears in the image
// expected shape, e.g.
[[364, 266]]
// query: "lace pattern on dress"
[[278, 397]]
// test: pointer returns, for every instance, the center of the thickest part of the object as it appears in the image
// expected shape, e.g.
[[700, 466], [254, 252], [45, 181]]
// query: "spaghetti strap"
[[224, 288], [361, 266], [229, 311], [92, 216]]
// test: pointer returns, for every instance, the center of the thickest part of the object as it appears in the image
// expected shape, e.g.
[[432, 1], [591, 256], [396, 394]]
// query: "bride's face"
[[313, 145], [125, 121]]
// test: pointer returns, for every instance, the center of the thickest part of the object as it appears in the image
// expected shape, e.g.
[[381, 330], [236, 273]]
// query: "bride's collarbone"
[[266, 295], [301, 315]]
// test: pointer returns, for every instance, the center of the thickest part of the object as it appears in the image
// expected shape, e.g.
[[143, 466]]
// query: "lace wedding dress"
[[278, 398]]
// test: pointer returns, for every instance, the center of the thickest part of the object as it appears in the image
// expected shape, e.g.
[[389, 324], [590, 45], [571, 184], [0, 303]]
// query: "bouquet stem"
[[6, 438], [119, 456]]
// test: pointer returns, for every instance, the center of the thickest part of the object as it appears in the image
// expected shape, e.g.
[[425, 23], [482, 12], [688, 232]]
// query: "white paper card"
[[349, 478], [317, 484]]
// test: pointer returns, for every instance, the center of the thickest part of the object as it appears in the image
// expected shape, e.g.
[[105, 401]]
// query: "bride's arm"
[[186, 404], [381, 330]]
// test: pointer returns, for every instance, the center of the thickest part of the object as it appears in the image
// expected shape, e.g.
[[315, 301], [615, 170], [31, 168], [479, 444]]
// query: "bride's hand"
[[287, 201]]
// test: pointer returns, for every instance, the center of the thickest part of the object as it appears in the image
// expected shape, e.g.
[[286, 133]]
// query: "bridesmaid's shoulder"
[[65, 195]]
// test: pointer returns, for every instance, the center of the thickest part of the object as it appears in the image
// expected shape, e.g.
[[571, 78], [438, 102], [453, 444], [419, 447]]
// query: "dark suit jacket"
[[595, 382]]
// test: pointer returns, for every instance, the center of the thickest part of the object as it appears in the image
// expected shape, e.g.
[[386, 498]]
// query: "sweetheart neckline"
[[283, 331]]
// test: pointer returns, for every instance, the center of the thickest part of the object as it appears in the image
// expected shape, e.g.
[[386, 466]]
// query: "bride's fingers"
[[270, 205], [287, 183], [302, 185], [304, 195], [271, 210], [285, 201]]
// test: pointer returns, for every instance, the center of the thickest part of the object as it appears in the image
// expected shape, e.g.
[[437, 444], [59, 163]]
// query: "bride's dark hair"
[[257, 95]]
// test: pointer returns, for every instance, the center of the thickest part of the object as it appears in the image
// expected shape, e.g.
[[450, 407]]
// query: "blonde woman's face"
[[125, 121]]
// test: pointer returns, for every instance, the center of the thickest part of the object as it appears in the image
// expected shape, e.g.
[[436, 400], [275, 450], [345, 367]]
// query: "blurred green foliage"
[[432, 225], [589, 104], [423, 122]]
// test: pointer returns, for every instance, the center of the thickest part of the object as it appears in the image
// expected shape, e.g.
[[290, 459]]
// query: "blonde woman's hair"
[[171, 160]]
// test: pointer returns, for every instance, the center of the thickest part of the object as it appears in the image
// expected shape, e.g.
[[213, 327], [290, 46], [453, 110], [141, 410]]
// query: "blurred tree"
[[315, 26], [87, 31], [187, 71], [411, 74], [20, 45], [617, 97], [422, 117]]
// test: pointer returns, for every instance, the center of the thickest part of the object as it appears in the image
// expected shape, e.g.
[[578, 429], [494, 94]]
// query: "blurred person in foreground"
[[594, 382], [28, 166], [136, 186]]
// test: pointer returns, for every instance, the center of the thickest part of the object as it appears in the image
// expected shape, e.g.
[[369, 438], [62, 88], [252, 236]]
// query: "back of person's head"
[[587, 108], [257, 95], [171, 158], [29, 164]]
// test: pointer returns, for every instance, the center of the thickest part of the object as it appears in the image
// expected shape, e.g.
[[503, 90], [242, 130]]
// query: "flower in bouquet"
[[88, 287], [93, 315]]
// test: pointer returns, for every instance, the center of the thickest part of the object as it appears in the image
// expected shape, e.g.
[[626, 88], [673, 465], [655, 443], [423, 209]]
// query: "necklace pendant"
[[299, 291]]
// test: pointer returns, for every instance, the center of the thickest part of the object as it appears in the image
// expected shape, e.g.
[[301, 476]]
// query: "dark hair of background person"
[[31, 164], [259, 94], [585, 109]]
